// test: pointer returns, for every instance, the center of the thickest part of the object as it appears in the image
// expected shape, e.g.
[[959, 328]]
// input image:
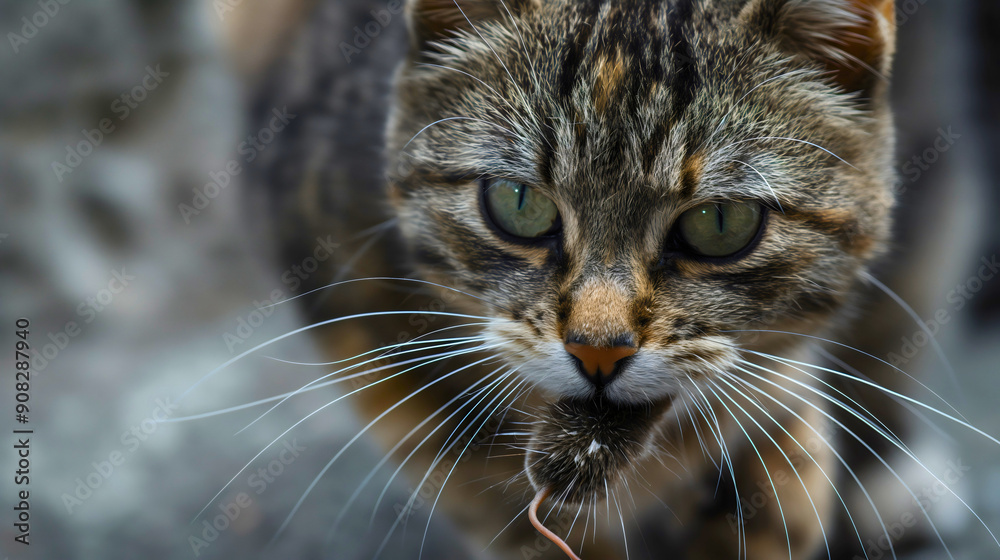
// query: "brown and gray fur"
[[625, 114]]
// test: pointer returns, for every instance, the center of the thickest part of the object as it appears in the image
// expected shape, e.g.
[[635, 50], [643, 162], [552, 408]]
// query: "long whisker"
[[401, 442], [299, 330], [781, 511], [728, 462], [793, 73], [507, 526], [706, 411], [379, 227], [766, 182], [275, 440], [855, 436], [575, 518], [862, 352], [697, 432], [833, 449], [347, 267], [805, 488], [888, 392], [524, 48], [876, 454], [349, 368], [727, 457], [909, 407], [513, 82], [920, 323], [622, 519], [475, 404], [427, 527], [635, 517], [487, 86], [358, 436], [448, 119], [389, 348], [884, 430], [445, 448], [300, 391], [594, 538], [501, 398]]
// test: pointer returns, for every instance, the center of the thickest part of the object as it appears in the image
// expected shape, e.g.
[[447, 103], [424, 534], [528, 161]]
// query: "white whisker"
[[781, 511], [833, 449], [404, 439], [275, 440], [358, 436], [920, 323], [869, 424], [862, 352], [299, 391], [805, 488], [299, 330], [375, 359]]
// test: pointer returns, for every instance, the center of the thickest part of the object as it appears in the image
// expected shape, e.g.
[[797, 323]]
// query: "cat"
[[683, 171], [634, 220]]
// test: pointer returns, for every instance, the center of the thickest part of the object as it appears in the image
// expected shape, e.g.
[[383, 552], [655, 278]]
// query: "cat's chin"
[[581, 447]]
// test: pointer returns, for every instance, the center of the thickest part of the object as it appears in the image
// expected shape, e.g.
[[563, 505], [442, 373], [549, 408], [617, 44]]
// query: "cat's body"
[[627, 115]]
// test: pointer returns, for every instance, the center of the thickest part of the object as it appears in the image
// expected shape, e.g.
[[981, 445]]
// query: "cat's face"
[[631, 184]]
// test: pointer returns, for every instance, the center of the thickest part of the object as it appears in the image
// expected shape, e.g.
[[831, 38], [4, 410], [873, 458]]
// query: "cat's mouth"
[[582, 447]]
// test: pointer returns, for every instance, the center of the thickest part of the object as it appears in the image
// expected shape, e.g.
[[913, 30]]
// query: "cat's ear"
[[854, 39], [433, 20]]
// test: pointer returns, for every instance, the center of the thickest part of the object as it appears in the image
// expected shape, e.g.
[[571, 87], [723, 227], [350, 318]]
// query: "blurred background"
[[135, 141]]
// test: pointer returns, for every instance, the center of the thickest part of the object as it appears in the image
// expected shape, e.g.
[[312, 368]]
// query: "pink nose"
[[599, 365]]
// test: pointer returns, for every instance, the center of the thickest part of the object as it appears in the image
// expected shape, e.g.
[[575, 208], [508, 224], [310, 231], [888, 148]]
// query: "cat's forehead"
[[621, 89]]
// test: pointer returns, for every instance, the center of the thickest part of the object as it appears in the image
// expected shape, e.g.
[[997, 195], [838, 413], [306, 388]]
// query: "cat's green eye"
[[720, 229], [520, 210]]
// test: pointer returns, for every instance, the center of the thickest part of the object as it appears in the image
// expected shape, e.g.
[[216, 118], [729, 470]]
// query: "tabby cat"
[[634, 219]]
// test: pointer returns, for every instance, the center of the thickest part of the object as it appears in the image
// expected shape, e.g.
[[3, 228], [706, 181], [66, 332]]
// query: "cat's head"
[[633, 185]]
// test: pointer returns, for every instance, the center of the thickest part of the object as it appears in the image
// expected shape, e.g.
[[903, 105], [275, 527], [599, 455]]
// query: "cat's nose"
[[600, 364]]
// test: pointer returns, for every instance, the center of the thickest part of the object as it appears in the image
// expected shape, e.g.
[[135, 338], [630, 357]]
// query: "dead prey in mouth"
[[581, 448]]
